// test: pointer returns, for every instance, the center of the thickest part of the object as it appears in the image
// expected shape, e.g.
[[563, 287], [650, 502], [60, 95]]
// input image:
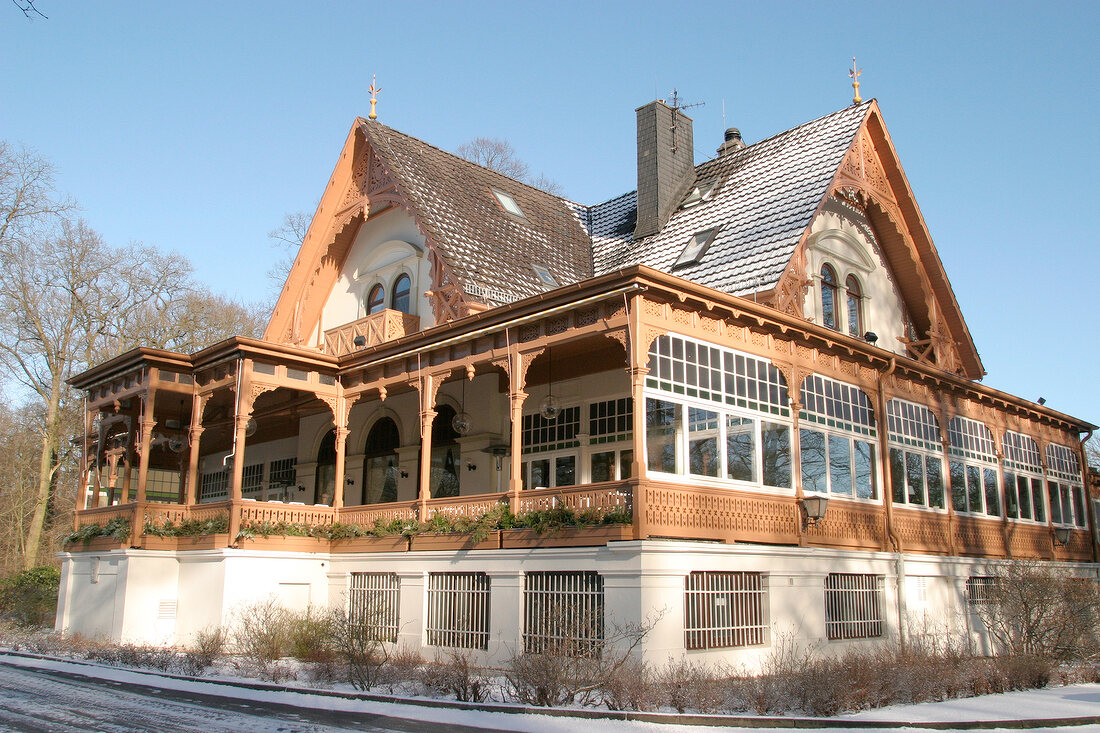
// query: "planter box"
[[394, 543], [566, 536], [279, 543], [97, 544], [185, 542], [454, 541]]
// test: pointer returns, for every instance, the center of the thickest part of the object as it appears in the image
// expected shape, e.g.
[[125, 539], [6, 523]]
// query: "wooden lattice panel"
[[702, 513], [923, 531]]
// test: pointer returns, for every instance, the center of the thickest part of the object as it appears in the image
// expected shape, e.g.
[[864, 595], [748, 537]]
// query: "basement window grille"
[[563, 613], [373, 602], [458, 610], [978, 589], [724, 609], [853, 606]]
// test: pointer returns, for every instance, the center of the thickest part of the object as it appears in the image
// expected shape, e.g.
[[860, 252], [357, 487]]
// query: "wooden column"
[[145, 447], [637, 358], [194, 434], [516, 397], [244, 413], [426, 386], [86, 474]]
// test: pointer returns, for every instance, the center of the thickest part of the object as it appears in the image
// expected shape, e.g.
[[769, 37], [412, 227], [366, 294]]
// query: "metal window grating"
[[978, 588], [252, 477], [282, 472], [724, 609], [373, 600], [458, 610], [563, 612], [853, 606]]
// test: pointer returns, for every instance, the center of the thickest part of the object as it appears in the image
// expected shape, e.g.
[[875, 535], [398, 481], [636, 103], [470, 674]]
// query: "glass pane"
[[914, 474], [540, 474], [401, 294], [958, 486], [974, 488], [1024, 492], [444, 471], [381, 480], [897, 475], [840, 465], [626, 457], [865, 470], [1037, 500], [992, 500], [934, 476], [1055, 503], [740, 448], [702, 442], [602, 466], [565, 471], [1011, 506], [776, 449], [1078, 507], [812, 445], [664, 425]]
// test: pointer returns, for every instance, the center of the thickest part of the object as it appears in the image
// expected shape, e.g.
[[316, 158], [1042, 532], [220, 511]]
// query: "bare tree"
[[28, 8], [499, 155], [1092, 452], [287, 238]]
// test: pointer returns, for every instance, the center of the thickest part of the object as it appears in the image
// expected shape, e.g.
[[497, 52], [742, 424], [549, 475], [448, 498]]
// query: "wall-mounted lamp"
[[813, 509], [471, 466], [1061, 535], [301, 488], [359, 341], [871, 337], [350, 481], [404, 474], [1042, 400]]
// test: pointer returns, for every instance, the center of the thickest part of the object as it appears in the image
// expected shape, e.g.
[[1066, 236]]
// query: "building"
[[707, 358]]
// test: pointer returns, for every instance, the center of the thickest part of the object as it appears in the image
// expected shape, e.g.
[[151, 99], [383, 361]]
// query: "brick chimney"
[[666, 164]]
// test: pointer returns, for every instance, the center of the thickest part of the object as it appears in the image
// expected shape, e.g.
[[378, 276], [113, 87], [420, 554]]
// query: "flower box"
[[566, 536], [453, 541], [97, 544], [391, 543], [281, 543], [185, 542]]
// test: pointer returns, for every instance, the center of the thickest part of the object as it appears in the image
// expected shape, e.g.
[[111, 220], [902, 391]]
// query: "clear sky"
[[195, 126]]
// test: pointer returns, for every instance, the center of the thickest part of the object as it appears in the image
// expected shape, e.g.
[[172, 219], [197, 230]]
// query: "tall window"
[[446, 459], [401, 288], [1065, 490], [975, 487], [376, 300], [838, 454], [326, 469], [1024, 496], [916, 455], [380, 467], [550, 448], [830, 316], [855, 306]]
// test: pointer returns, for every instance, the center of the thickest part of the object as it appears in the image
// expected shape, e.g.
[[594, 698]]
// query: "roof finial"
[[374, 89], [854, 74]]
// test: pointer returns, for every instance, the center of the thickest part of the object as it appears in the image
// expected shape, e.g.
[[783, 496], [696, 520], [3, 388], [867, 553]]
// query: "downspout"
[[1085, 489], [236, 413], [888, 499]]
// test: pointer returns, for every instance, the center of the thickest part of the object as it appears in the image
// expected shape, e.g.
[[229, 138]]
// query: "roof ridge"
[[459, 158]]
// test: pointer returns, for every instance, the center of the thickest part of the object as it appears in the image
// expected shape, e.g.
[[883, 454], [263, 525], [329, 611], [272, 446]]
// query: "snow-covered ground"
[[49, 695]]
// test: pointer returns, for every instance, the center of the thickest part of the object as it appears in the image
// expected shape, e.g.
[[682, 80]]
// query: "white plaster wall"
[[385, 247], [839, 237]]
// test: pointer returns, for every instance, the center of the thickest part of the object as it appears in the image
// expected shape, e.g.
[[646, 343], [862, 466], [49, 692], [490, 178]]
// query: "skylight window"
[[545, 276], [696, 248], [507, 202], [703, 192]]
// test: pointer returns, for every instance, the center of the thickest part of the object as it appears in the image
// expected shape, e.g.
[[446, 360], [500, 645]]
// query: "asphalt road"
[[33, 701]]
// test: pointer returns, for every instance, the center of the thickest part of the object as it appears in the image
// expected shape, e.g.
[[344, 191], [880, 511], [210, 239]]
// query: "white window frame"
[[457, 614], [1023, 461], [552, 599], [854, 606], [1064, 472], [377, 594], [969, 448], [725, 609], [849, 426]]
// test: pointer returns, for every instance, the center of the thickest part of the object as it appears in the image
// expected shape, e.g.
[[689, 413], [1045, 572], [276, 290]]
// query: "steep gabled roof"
[[488, 250], [767, 195]]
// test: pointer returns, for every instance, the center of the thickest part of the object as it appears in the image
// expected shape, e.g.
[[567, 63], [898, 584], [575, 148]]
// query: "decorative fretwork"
[[377, 328]]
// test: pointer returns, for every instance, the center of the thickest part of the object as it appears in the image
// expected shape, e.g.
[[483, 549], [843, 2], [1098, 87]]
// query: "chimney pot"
[[732, 143]]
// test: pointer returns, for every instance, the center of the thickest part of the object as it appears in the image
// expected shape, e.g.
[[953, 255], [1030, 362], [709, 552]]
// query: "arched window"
[[855, 306], [325, 486], [829, 315], [376, 301], [380, 468], [401, 289], [446, 459]]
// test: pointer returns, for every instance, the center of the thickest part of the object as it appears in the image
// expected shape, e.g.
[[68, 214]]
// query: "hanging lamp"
[[550, 408], [460, 423]]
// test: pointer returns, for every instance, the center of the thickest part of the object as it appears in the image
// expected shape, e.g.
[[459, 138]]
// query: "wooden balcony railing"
[[385, 325]]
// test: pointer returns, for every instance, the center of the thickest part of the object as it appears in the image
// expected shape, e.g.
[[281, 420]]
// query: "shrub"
[[30, 597], [309, 636], [688, 686], [359, 645], [455, 675], [632, 689], [207, 648], [260, 636]]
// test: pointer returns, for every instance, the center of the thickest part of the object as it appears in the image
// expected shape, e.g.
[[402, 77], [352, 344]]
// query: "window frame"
[[374, 304], [829, 284], [853, 296], [397, 293], [738, 597], [970, 449], [860, 594], [913, 430]]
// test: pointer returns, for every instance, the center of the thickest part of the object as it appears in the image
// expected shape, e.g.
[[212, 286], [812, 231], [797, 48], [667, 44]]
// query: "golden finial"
[[854, 74], [373, 97]]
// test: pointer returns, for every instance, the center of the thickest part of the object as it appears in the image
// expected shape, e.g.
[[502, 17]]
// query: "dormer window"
[[507, 202], [703, 192], [376, 300], [544, 276], [696, 248]]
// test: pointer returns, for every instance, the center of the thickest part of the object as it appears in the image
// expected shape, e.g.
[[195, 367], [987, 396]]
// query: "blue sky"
[[196, 126]]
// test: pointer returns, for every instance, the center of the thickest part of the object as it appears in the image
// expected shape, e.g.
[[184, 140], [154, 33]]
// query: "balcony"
[[377, 328]]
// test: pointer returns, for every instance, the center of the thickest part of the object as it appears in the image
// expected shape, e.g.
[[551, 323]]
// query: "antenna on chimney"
[[676, 102]]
